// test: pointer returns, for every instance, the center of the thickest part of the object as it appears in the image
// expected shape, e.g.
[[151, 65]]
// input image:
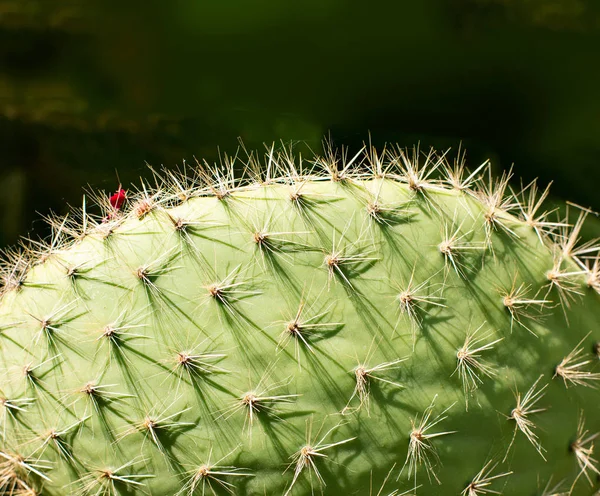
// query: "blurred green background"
[[88, 88]]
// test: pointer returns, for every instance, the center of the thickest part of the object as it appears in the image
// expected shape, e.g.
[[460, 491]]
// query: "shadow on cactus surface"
[[384, 323]]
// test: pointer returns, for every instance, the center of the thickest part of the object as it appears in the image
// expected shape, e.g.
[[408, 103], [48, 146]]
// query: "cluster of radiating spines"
[[472, 368], [503, 210]]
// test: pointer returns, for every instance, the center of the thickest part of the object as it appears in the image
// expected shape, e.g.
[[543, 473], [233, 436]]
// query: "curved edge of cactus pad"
[[378, 324]]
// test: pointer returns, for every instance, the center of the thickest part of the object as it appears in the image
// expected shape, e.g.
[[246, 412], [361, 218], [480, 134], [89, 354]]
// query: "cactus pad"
[[380, 324]]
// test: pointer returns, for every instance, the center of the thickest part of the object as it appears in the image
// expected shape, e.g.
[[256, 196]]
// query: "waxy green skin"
[[150, 279]]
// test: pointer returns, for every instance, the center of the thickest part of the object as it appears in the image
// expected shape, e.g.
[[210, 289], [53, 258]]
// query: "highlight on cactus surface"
[[380, 323]]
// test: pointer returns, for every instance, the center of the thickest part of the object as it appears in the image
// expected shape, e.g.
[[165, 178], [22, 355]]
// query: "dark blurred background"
[[90, 88]]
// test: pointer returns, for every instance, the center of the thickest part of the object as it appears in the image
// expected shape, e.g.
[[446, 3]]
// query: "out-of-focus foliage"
[[90, 87]]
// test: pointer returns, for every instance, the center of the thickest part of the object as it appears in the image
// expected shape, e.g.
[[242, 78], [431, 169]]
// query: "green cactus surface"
[[380, 324]]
